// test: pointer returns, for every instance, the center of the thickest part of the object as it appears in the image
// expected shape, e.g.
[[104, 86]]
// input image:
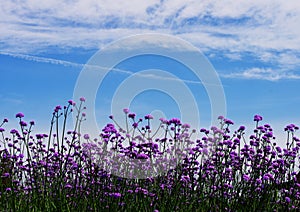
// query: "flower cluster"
[[138, 168]]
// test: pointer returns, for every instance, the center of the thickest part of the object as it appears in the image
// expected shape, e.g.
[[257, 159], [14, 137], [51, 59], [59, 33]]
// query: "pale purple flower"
[[148, 117], [86, 136]]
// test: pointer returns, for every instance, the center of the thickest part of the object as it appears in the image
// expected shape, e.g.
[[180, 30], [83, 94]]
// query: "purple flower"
[[186, 126], [246, 177], [221, 117], [2, 130], [258, 118], [142, 156], [287, 199], [71, 102], [39, 136], [19, 115], [116, 195], [6, 174], [57, 108], [31, 122], [23, 123], [228, 121], [258, 181], [131, 115], [126, 110], [242, 128], [14, 131], [148, 117], [68, 186], [111, 117], [86, 136], [135, 125], [266, 177], [82, 99], [5, 120], [175, 121]]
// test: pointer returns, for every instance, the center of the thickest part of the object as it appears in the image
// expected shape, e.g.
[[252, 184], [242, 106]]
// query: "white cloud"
[[267, 29], [262, 74]]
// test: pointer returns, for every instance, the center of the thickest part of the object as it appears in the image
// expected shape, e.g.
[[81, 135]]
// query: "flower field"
[[143, 169]]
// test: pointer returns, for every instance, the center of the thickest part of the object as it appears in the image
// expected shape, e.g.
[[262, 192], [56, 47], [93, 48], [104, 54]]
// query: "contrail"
[[42, 59], [96, 67]]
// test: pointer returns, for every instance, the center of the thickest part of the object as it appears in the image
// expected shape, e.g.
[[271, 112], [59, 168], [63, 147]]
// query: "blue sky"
[[254, 47]]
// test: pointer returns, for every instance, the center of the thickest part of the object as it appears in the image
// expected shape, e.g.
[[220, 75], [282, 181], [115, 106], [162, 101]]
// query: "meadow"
[[166, 169]]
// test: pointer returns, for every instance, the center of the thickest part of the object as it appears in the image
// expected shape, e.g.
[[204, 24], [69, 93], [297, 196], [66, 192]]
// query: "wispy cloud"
[[262, 74], [97, 68], [269, 29], [42, 59]]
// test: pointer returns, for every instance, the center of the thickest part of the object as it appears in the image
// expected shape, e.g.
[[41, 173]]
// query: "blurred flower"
[[142, 156], [57, 108], [242, 128], [23, 123], [14, 131], [258, 118], [246, 177], [131, 115], [148, 117], [71, 102], [228, 121], [116, 195], [19, 115], [86, 136]]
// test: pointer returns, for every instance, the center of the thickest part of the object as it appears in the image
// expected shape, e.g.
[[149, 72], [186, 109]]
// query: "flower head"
[[258, 118], [19, 115], [148, 117], [57, 108], [126, 110], [228, 121], [86, 136], [131, 115], [71, 102], [23, 123]]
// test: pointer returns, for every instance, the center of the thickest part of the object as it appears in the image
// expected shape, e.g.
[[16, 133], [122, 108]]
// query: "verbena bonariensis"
[[220, 171]]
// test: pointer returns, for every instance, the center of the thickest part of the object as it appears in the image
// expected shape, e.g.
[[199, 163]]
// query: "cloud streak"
[[269, 30], [97, 68], [262, 74]]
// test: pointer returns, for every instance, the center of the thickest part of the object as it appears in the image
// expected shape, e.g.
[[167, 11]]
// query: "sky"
[[253, 47]]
